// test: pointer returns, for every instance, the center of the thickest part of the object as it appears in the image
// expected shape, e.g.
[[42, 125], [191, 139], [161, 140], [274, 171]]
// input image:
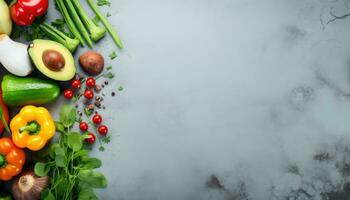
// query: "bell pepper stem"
[[2, 160], [32, 127]]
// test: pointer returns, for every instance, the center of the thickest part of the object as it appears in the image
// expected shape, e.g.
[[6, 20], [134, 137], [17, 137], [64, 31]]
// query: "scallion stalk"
[[69, 21], [73, 13], [108, 26], [96, 32]]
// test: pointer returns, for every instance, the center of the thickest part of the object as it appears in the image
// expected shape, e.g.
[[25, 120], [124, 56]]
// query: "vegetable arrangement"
[[53, 154]]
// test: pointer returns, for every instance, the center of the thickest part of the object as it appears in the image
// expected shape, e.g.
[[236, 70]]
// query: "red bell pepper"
[[24, 12]]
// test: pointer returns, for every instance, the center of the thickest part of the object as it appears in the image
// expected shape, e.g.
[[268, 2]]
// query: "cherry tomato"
[[90, 82], [91, 139], [97, 119], [89, 94], [103, 130], [68, 94], [76, 83], [83, 126]]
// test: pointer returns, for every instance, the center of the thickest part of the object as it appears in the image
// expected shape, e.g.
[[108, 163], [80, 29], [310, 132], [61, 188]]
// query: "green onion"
[[69, 21], [78, 22], [96, 32], [60, 37], [108, 26]]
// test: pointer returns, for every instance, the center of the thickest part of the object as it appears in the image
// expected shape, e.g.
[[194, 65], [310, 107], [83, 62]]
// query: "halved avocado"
[[52, 59]]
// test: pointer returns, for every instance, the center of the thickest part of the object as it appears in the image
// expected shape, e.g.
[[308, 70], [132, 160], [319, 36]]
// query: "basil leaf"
[[87, 193], [68, 115], [91, 163], [41, 169], [75, 141], [92, 178]]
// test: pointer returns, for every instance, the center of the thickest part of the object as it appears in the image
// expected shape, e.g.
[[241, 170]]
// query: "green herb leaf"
[[60, 160], [59, 151], [87, 193], [88, 112], [91, 163], [41, 169], [101, 148], [112, 55], [47, 195], [120, 88], [109, 67], [92, 178], [68, 115], [52, 151], [106, 139], [108, 14], [75, 141], [81, 153], [109, 75], [59, 127], [103, 3]]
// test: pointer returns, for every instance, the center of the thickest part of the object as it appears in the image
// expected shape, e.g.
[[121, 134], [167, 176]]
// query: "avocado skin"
[[19, 91]]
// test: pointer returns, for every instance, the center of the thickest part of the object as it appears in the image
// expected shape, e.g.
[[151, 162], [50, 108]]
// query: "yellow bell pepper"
[[32, 128]]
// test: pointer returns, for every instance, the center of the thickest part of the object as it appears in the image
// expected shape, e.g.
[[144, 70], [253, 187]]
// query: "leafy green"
[[41, 169], [47, 195], [87, 193], [69, 166], [92, 178], [91, 163], [68, 115], [74, 141]]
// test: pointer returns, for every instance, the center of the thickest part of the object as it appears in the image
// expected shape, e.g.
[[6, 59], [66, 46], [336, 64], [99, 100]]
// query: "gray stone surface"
[[251, 91]]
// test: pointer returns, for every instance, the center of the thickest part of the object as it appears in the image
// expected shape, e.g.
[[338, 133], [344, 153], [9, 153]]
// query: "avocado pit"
[[53, 60]]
